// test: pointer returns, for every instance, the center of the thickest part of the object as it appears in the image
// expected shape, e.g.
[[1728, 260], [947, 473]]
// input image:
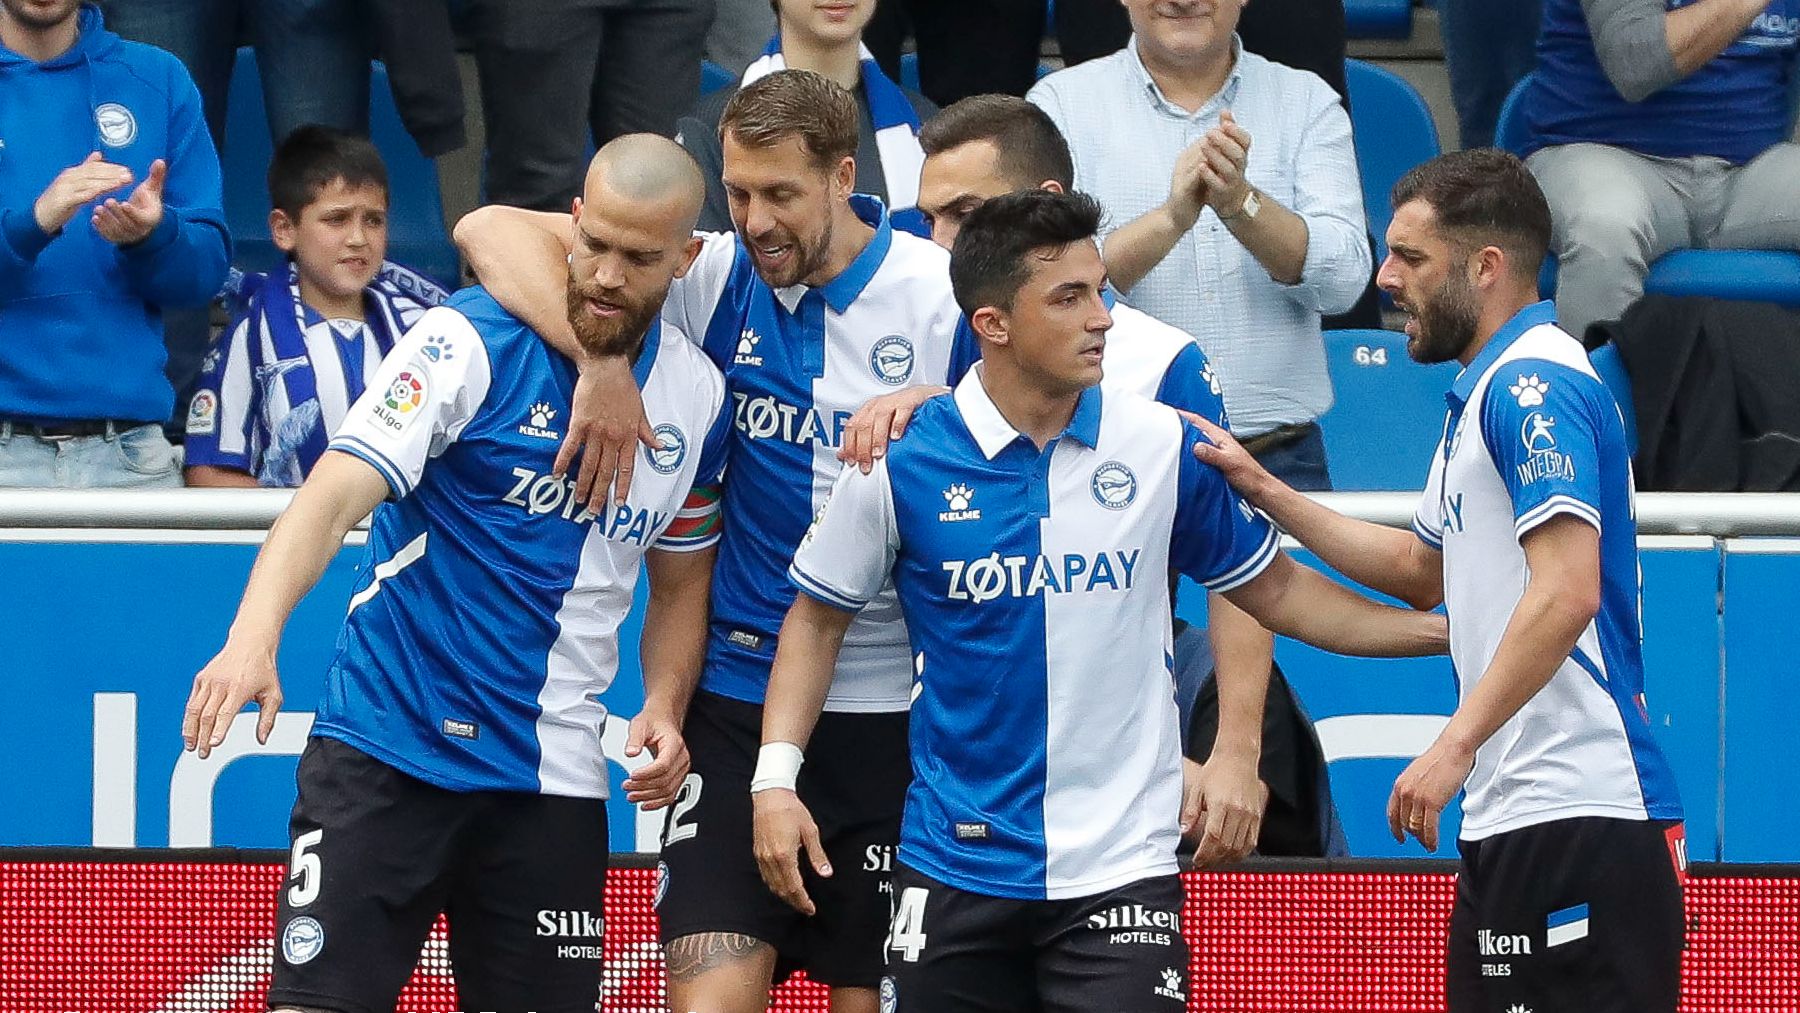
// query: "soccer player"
[[1572, 843], [455, 763], [815, 305], [987, 145], [1028, 522]]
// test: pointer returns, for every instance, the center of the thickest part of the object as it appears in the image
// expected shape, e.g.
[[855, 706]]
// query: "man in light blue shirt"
[[1242, 170]]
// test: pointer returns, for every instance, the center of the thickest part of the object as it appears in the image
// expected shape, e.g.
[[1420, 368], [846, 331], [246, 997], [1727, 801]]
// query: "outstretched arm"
[[340, 491], [1388, 560], [1300, 602]]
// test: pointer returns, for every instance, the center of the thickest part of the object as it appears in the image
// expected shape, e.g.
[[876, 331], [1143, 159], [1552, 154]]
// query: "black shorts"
[[377, 854], [854, 783], [1582, 914], [951, 951]]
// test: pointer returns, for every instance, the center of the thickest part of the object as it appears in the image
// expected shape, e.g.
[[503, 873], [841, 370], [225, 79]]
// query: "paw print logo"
[[1530, 391], [437, 348], [541, 414], [1518, 1007], [959, 496], [1172, 979], [1212, 380], [748, 341]]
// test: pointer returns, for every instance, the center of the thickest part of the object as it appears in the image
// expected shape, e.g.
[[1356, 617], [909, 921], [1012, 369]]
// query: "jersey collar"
[[842, 290], [646, 360], [1531, 316], [993, 433]]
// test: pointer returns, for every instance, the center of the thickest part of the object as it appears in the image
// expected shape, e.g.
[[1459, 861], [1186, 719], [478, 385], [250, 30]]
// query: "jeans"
[[313, 55], [1301, 464], [137, 458], [1488, 46]]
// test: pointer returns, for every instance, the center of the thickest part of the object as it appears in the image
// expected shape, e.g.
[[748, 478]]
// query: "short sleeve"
[[848, 553], [1428, 519], [699, 522], [1219, 539], [1191, 385], [416, 404], [1545, 426], [226, 405]]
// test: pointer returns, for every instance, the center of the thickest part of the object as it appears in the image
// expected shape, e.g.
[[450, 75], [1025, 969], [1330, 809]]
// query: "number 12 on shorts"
[[906, 934]]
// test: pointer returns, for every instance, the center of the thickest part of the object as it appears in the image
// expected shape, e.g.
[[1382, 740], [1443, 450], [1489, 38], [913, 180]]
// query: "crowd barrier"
[[183, 932], [117, 599]]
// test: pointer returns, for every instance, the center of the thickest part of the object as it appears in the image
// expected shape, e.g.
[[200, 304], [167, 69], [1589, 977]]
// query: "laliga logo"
[[891, 360], [1114, 486]]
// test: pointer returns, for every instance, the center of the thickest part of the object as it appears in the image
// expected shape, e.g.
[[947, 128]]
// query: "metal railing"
[[1720, 515]]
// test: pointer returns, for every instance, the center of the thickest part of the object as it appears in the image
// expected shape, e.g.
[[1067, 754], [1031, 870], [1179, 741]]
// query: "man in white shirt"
[[1263, 229]]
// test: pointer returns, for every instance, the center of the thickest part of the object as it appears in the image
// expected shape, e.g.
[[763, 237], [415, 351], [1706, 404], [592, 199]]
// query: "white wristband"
[[777, 766]]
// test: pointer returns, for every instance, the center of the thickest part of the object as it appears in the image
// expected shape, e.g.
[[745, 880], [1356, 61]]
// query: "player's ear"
[[283, 230], [689, 251], [844, 177], [990, 324]]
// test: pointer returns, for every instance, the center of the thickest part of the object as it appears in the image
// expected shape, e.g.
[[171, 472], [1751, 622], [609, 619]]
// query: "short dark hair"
[[312, 157], [1484, 197], [794, 103], [1031, 148], [989, 262]]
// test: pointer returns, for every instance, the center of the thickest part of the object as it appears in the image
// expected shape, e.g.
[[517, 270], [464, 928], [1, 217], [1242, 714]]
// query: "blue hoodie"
[[80, 318]]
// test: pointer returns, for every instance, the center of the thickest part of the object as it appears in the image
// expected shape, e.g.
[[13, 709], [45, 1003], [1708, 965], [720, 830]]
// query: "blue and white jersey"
[[484, 624], [1152, 359], [799, 361], [1531, 434], [1045, 749], [280, 381]]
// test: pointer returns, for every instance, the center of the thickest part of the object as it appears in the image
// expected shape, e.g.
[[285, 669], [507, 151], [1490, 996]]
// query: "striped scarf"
[[896, 133]]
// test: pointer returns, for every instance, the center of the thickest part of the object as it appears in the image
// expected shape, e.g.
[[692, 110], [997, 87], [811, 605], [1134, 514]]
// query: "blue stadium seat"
[[416, 236], [1388, 414], [909, 65], [1393, 131], [1611, 367], [714, 77], [1764, 275], [1378, 19]]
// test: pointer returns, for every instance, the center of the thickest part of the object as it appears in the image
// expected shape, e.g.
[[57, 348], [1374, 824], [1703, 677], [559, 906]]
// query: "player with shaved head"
[[455, 763]]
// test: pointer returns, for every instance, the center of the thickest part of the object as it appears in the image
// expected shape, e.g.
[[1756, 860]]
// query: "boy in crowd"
[[306, 336]]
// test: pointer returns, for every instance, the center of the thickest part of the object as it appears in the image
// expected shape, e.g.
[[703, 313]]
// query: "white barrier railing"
[[1723, 515]]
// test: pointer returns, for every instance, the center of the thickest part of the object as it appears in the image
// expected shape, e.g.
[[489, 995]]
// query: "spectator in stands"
[[1262, 229], [555, 73], [964, 48], [109, 212], [828, 41], [1489, 46], [1656, 129], [313, 55], [737, 29], [295, 360]]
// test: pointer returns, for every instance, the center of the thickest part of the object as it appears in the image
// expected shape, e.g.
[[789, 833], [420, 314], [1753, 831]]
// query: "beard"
[[618, 335], [807, 259], [1446, 322]]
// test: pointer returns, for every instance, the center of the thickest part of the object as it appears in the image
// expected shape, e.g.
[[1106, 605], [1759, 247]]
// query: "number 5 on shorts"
[[305, 870], [907, 933]]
